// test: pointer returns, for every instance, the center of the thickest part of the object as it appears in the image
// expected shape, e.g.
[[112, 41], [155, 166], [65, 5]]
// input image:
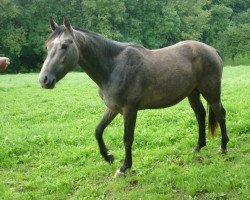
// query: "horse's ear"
[[53, 24], [67, 24]]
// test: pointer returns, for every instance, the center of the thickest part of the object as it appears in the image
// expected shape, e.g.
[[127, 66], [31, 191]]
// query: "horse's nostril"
[[45, 79]]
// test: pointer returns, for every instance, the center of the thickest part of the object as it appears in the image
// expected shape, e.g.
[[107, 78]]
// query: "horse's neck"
[[97, 57]]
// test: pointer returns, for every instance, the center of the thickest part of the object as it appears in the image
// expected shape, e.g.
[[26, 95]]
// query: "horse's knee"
[[203, 112], [128, 142], [98, 132]]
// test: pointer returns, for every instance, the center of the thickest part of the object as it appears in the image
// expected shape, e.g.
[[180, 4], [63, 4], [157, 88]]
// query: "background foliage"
[[224, 24]]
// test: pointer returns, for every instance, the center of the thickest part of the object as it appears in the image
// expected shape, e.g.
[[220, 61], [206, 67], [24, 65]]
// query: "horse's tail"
[[219, 54], [212, 123]]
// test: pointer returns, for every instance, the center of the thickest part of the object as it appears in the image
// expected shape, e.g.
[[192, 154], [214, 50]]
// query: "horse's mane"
[[100, 37], [107, 43]]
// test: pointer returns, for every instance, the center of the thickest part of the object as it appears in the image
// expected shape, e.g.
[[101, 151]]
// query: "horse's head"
[[62, 54]]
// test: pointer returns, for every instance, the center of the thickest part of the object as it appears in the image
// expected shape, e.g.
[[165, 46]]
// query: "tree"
[[238, 6], [236, 39], [12, 34], [218, 22], [194, 18], [35, 24], [152, 23], [104, 16]]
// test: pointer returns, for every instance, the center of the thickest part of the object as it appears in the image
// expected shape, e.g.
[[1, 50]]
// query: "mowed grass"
[[48, 149]]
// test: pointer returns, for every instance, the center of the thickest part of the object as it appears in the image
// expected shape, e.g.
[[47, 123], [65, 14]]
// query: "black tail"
[[220, 54], [212, 123]]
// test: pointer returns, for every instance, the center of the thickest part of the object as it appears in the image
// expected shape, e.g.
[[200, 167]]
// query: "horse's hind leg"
[[200, 113], [220, 116], [108, 116]]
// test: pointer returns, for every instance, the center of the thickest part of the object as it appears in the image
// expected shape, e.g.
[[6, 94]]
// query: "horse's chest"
[[111, 100]]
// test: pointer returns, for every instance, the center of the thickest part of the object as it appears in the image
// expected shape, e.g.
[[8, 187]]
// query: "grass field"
[[48, 149]]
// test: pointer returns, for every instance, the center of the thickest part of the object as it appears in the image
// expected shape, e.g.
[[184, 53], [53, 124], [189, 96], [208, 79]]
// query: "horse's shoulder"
[[131, 56], [133, 50]]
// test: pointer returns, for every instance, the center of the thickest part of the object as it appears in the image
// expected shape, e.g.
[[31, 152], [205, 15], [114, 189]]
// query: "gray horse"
[[131, 78]]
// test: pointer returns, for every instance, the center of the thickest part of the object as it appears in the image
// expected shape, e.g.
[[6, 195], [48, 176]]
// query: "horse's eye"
[[64, 46]]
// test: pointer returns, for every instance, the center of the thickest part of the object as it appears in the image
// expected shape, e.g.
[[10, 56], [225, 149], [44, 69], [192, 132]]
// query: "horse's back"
[[163, 77], [175, 71], [202, 58], [191, 50]]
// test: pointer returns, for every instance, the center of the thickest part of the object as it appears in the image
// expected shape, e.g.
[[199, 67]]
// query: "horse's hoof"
[[196, 149], [222, 150], [110, 158], [119, 173]]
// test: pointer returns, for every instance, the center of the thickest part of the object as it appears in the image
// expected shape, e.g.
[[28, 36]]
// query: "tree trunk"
[[233, 58]]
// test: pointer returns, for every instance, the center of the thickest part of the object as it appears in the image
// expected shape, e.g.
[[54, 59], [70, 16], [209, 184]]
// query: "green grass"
[[48, 149]]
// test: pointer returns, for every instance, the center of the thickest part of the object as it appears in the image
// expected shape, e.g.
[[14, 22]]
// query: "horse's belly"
[[154, 103], [165, 98]]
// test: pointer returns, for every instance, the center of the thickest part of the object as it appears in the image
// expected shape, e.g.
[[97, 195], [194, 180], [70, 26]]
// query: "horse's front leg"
[[129, 116], [107, 118]]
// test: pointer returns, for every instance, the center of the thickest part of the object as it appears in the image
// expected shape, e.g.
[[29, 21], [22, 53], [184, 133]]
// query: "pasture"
[[48, 149]]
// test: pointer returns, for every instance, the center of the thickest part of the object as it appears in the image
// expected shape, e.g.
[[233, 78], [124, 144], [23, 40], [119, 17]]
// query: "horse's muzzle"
[[47, 81]]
